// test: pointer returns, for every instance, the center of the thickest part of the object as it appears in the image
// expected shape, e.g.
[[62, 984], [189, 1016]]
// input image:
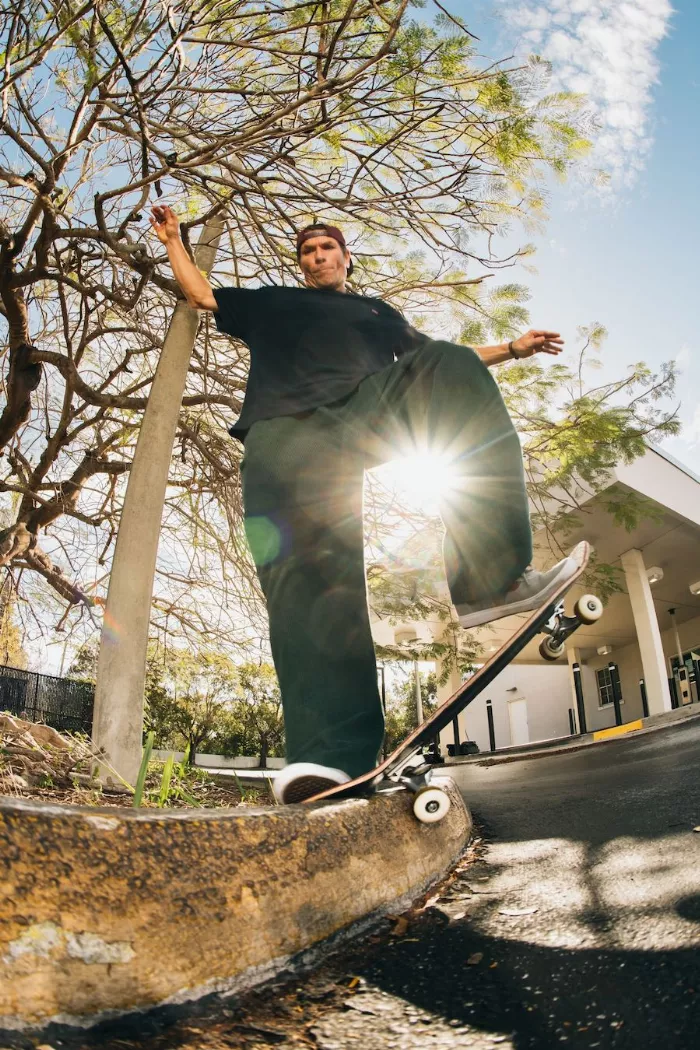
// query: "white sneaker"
[[302, 780], [530, 590]]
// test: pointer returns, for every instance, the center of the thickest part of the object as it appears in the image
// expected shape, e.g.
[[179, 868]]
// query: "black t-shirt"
[[308, 347]]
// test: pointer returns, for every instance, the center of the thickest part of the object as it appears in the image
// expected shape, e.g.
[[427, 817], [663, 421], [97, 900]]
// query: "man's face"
[[324, 263]]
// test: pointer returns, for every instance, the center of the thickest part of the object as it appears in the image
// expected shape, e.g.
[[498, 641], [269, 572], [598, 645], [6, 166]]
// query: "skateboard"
[[405, 767]]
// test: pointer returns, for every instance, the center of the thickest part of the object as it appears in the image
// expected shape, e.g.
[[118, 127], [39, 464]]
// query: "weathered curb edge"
[[105, 912]]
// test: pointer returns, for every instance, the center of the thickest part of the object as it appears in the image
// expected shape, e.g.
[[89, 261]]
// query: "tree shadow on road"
[[544, 997]]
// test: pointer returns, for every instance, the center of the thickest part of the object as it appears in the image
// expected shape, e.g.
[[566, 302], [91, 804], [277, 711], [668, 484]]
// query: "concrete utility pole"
[[121, 670]]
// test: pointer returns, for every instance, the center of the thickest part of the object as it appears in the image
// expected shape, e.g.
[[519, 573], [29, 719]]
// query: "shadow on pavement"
[[542, 997]]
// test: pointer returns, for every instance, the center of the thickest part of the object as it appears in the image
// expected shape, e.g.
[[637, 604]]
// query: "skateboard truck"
[[430, 803], [559, 627], [415, 778]]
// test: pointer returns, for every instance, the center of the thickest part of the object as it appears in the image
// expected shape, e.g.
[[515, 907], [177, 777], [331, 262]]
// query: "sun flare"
[[420, 479]]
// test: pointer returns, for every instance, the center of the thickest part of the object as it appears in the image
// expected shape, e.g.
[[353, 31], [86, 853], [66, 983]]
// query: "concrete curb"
[[107, 911], [525, 752]]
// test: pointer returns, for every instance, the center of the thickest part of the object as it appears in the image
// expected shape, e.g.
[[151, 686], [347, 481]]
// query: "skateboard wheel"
[[549, 650], [588, 609], [431, 805]]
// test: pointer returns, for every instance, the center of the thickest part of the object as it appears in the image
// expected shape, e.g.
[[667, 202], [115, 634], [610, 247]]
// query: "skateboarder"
[[340, 383]]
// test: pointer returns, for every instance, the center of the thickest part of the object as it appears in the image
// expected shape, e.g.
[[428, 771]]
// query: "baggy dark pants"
[[303, 482]]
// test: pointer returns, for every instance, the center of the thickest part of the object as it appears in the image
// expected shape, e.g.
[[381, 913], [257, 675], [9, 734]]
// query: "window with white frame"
[[605, 687]]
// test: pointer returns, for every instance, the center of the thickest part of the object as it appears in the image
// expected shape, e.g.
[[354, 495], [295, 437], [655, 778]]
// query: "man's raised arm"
[[194, 285], [536, 341]]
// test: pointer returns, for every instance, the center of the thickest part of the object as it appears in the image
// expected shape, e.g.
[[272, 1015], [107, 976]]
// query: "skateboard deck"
[[394, 770]]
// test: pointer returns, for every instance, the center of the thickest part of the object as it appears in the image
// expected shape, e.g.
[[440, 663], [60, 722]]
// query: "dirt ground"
[[39, 763]]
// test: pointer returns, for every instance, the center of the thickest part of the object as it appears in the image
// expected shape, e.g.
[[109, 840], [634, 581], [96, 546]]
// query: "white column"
[[648, 634]]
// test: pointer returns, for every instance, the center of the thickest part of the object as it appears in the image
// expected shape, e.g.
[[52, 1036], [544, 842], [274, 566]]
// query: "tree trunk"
[[264, 748]]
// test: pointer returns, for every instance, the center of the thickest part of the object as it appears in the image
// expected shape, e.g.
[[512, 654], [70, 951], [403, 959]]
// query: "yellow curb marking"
[[628, 727]]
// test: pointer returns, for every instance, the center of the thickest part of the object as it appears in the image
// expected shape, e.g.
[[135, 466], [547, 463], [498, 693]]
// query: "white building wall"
[[689, 634], [548, 695], [547, 689], [629, 664]]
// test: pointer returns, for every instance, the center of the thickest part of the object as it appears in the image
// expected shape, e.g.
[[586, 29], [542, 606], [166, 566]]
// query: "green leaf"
[[165, 781], [141, 779]]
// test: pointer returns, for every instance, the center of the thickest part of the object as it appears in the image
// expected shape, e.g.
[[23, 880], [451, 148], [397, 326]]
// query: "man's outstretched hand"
[[538, 341], [165, 223]]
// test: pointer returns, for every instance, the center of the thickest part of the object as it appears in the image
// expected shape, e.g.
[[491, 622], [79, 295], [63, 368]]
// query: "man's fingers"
[[546, 337], [541, 340]]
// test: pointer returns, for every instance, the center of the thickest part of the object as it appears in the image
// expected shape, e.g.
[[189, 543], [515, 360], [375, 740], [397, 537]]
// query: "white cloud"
[[692, 430], [685, 445], [607, 50], [683, 357]]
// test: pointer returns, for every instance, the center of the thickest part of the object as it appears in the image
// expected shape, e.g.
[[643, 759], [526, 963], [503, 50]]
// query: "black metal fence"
[[59, 702]]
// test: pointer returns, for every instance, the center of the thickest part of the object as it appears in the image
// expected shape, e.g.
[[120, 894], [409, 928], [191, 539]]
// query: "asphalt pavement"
[[575, 921], [584, 909]]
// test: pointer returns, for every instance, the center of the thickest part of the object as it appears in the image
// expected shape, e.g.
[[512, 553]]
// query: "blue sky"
[[627, 257]]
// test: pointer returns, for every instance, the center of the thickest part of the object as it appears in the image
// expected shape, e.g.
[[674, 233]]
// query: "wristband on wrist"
[[512, 352]]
